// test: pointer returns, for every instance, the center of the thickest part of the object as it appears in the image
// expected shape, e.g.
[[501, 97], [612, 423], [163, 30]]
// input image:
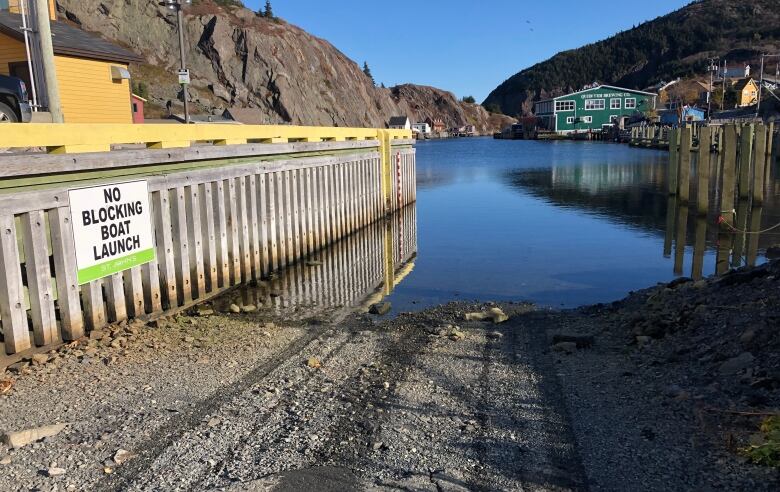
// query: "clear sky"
[[465, 46]]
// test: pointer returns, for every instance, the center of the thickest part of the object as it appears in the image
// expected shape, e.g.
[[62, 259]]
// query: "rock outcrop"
[[239, 59]]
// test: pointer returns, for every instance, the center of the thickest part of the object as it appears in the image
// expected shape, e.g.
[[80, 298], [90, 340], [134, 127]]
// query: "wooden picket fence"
[[221, 216]]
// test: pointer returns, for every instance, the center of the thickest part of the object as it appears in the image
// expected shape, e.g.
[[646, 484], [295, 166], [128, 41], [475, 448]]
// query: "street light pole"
[[186, 95], [178, 5]]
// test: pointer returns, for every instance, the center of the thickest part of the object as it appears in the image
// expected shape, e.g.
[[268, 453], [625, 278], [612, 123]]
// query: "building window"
[[569, 120], [135, 108], [588, 119], [564, 105], [631, 103], [614, 104], [594, 104]]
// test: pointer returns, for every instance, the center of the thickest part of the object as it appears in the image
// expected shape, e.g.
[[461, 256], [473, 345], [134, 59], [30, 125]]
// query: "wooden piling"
[[699, 247], [684, 172], [703, 172], [674, 156], [745, 160], [760, 162], [680, 238], [728, 179]]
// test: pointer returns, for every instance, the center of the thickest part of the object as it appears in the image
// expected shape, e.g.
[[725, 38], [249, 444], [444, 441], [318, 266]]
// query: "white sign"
[[184, 76], [112, 229]]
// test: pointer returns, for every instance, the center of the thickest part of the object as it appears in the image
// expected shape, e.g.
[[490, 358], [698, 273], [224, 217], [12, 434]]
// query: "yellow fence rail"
[[78, 138]]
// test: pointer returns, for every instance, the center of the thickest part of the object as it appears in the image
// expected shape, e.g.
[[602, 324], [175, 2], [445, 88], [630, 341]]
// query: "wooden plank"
[[39, 286], [245, 247], [296, 215], [221, 231], [165, 258], [211, 264], [674, 156], [64, 252], [254, 226], [703, 172], [13, 314], [728, 173], [234, 237], [311, 227], [150, 272], [273, 242], [265, 225], [94, 306], [181, 247], [328, 202], [759, 165], [33, 164], [195, 241], [281, 218], [745, 160], [288, 219], [116, 306], [134, 291]]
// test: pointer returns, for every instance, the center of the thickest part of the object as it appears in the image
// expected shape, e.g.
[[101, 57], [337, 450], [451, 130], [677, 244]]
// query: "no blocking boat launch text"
[[114, 236]]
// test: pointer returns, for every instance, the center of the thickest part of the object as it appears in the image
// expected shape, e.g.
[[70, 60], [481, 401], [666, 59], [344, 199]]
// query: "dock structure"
[[219, 206]]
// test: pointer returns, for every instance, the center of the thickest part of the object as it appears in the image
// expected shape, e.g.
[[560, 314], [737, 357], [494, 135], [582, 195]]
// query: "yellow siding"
[[89, 95], [13, 6], [11, 51]]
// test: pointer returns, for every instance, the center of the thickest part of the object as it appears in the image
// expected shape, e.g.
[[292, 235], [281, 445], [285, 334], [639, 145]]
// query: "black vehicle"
[[14, 104]]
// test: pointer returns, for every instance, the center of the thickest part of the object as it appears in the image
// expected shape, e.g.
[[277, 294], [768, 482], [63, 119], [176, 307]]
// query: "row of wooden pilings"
[[737, 156]]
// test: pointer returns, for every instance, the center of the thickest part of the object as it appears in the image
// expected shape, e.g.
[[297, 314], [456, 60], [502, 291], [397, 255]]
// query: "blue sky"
[[465, 46]]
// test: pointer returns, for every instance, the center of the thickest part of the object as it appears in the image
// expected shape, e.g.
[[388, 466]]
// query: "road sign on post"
[[112, 229], [184, 76]]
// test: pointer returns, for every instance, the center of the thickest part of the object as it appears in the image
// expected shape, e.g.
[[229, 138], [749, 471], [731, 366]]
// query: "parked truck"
[[14, 103]]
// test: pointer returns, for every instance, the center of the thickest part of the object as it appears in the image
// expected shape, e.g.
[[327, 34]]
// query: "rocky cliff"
[[238, 58]]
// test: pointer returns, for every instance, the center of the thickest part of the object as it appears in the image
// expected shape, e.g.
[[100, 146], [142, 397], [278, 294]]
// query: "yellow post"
[[385, 149]]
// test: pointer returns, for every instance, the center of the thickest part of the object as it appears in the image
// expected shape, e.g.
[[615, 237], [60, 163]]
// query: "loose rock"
[[380, 308], [25, 437]]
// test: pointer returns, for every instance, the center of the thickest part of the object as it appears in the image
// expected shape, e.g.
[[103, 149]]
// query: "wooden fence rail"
[[220, 218]]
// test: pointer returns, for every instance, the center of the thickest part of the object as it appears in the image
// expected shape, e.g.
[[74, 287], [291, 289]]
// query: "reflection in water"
[[354, 272], [635, 195], [557, 223]]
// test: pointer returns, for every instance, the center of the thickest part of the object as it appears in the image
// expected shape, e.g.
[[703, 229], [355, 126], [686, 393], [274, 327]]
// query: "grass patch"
[[767, 452]]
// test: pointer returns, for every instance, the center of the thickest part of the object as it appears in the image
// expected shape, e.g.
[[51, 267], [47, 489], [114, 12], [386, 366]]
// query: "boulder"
[[380, 308]]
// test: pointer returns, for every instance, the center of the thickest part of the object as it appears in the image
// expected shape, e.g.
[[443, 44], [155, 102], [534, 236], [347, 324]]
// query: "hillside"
[[675, 45], [240, 59]]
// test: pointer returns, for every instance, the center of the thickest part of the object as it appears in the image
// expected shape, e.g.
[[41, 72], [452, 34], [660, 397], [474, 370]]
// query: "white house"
[[400, 123], [423, 128]]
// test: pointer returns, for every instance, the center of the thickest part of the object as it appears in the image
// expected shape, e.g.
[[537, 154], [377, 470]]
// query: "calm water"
[[559, 224]]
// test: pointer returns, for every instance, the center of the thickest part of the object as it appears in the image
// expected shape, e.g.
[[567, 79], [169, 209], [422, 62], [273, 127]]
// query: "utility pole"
[[760, 86], [723, 91], [712, 68], [49, 70], [178, 5]]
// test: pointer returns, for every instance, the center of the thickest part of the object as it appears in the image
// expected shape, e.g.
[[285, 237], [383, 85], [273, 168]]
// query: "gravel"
[[656, 392]]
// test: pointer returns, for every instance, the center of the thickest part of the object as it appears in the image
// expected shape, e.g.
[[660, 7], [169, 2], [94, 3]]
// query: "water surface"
[[560, 224]]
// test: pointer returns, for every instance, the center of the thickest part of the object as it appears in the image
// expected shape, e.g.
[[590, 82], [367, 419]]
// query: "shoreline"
[[632, 394]]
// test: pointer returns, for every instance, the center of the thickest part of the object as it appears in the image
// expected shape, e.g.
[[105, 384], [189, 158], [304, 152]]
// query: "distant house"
[[688, 114], [423, 128], [138, 108], [246, 116], [400, 123], [437, 124], [747, 92], [92, 73], [470, 130]]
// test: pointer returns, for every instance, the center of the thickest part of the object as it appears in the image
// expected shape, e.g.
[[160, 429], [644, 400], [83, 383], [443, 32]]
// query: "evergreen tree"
[[269, 11], [367, 71]]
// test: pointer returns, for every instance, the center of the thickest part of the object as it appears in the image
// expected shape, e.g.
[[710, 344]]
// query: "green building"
[[592, 109]]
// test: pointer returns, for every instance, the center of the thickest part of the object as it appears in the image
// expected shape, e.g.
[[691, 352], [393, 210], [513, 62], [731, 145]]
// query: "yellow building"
[[747, 92], [92, 73]]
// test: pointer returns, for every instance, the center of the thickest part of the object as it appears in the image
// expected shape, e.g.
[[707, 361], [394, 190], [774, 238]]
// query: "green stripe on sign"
[[116, 265]]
